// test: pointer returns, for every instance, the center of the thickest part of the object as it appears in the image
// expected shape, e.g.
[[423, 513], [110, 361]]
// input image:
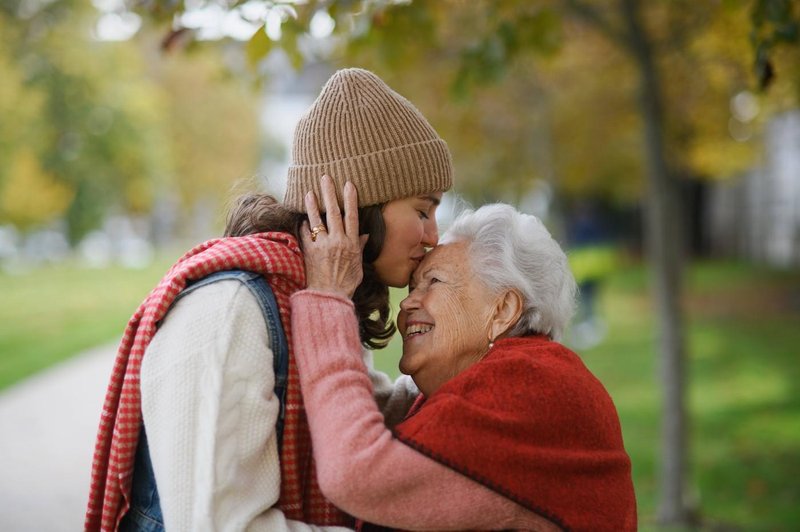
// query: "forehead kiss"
[[447, 267], [437, 259], [444, 320]]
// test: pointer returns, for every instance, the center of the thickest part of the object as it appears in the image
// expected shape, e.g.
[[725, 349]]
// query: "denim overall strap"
[[145, 513]]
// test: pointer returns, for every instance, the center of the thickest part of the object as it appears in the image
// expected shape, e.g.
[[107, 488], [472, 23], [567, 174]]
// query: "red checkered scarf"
[[274, 255]]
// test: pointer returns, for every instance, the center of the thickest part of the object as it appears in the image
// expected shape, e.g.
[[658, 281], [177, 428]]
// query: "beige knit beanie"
[[359, 129]]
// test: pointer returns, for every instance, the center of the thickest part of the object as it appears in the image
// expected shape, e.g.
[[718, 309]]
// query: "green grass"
[[744, 376], [744, 392], [51, 313]]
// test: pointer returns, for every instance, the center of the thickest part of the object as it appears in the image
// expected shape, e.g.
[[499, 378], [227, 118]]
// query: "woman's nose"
[[431, 235], [409, 303]]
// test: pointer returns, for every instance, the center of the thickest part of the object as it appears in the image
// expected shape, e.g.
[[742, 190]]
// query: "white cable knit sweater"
[[209, 409]]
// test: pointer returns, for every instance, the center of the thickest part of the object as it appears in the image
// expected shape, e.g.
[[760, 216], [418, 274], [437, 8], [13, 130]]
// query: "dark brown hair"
[[258, 213]]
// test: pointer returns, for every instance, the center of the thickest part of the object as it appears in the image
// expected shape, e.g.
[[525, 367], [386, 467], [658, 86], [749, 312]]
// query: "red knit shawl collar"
[[530, 422], [278, 257]]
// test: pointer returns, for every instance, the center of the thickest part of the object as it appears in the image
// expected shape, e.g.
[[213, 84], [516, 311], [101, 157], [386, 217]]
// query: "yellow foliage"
[[701, 78], [20, 108], [214, 132], [575, 118], [30, 196]]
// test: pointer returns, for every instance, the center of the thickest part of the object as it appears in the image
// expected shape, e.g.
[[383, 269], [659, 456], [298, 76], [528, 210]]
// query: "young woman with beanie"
[[189, 433]]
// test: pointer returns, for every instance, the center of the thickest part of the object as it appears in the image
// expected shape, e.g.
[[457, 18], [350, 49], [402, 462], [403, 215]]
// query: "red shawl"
[[530, 422], [278, 257]]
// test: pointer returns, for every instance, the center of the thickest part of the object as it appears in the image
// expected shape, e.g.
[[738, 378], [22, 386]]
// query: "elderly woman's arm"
[[361, 467]]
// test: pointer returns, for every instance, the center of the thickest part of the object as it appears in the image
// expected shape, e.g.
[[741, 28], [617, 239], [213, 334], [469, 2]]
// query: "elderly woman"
[[504, 405]]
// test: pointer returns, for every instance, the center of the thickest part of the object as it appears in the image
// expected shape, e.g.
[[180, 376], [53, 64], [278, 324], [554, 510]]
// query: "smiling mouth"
[[417, 329]]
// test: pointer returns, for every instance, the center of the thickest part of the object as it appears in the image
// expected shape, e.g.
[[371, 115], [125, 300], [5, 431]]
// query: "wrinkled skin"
[[333, 258], [446, 320]]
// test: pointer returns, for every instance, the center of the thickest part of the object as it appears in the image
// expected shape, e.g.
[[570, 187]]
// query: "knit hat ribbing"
[[359, 129]]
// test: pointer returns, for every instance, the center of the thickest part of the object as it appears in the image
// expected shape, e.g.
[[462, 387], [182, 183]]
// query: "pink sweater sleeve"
[[362, 468]]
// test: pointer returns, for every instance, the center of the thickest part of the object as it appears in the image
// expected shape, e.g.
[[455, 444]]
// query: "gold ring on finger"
[[317, 229]]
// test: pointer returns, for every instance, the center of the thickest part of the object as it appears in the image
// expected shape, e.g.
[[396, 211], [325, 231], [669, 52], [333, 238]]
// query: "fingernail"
[[349, 184], [326, 176]]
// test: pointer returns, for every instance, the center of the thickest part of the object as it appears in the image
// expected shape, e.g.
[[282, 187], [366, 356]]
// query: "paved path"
[[47, 428]]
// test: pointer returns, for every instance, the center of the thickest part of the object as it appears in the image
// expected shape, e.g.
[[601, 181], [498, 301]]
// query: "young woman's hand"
[[333, 254]]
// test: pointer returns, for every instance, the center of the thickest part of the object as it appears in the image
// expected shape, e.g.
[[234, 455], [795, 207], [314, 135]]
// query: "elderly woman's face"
[[445, 319]]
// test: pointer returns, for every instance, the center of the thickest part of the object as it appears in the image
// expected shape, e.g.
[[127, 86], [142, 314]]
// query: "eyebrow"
[[435, 270], [416, 277], [433, 199]]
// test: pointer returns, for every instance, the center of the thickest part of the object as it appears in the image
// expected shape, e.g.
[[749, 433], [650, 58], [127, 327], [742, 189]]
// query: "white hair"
[[512, 250]]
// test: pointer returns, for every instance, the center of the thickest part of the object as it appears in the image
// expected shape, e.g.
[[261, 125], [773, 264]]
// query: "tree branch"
[[591, 15]]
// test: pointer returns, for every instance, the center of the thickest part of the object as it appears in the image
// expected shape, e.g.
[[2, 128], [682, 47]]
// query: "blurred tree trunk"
[[664, 237]]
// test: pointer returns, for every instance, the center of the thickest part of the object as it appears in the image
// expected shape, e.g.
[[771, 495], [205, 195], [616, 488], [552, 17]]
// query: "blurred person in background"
[[592, 257], [502, 403], [203, 427]]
